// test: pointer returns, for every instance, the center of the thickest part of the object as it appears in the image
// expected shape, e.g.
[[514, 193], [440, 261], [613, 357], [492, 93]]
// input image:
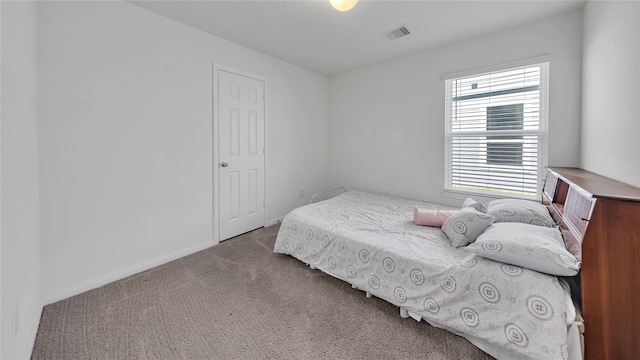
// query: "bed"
[[370, 241]]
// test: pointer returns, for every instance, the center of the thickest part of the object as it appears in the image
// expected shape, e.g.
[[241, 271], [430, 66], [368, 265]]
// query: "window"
[[495, 131], [505, 150]]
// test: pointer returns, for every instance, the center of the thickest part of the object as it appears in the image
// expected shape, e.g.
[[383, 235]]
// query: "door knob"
[[224, 164]]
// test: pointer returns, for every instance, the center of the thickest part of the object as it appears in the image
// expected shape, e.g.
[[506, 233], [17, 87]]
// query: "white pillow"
[[534, 247], [522, 211], [465, 226], [469, 202]]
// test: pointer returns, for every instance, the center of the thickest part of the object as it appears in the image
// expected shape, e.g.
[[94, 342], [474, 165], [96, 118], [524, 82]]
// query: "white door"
[[240, 153]]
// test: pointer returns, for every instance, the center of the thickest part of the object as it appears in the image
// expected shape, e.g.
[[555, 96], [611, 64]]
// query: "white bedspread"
[[370, 241]]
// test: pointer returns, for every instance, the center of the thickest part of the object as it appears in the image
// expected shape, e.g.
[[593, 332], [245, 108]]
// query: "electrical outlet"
[[15, 321], [301, 193]]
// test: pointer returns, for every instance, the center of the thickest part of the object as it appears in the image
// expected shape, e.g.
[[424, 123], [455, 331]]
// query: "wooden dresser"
[[603, 216]]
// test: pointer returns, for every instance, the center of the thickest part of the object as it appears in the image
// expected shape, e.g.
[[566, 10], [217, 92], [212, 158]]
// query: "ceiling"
[[310, 34]]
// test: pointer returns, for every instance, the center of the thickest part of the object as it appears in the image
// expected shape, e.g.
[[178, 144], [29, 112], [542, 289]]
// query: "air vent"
[[396, 33]]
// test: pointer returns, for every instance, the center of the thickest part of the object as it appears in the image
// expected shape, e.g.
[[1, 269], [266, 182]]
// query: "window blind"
[[495, 131]]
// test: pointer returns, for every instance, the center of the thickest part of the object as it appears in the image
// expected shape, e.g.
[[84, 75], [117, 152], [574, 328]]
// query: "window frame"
[[542, 132]]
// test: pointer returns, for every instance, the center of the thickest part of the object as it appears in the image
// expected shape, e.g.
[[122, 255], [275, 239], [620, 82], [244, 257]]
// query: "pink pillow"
[[431, 217]]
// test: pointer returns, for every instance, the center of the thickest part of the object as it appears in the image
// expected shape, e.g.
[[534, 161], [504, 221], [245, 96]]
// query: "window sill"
[[460, 194]]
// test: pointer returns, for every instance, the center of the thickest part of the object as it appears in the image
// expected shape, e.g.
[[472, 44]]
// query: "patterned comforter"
[[370, 241]]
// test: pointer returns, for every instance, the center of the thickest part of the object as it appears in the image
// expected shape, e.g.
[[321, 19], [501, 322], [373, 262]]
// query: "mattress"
[[370, 241]]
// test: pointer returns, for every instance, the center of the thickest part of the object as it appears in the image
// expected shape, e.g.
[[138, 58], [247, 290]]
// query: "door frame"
[[216, 151]]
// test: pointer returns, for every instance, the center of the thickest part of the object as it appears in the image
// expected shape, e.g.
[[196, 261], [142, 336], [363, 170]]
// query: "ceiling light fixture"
[[343, 5]]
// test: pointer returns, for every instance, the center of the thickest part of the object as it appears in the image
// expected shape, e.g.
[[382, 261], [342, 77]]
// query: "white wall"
[[20, 234], [126, 139], [611, 90], [387, 121]]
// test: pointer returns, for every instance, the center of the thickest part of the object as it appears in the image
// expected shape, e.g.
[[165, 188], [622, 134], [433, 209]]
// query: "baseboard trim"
[[275, 221], [34, 329], [108, 278]]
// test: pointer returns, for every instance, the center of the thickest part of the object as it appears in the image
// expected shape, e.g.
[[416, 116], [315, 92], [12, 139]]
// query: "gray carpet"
[[237, 300]]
